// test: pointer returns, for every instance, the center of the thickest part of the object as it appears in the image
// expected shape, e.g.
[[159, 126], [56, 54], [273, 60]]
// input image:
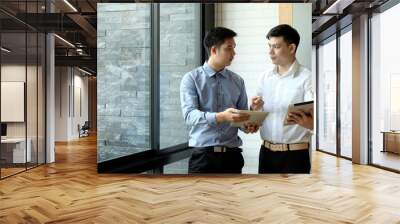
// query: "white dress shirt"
[[278, 92]]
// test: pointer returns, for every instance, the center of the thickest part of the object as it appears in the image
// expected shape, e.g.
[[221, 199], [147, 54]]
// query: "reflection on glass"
[[179, 53], [22, 90], [327, 97], [123, 81], [41, 98], [15, 150], [31, 101], [385, 89], [346, 94], [179, 167]]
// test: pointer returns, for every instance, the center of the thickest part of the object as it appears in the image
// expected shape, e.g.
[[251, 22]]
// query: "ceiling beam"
[[83, 61], [86, 26]]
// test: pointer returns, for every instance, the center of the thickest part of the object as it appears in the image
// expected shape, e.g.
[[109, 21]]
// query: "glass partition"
[[41, 107], [15, 150], [22, 87], [31, 99]]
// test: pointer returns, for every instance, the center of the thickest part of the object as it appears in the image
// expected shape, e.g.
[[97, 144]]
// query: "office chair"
[[84, 130]]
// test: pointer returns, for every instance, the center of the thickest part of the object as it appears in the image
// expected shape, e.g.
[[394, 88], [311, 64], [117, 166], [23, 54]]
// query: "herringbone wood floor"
[[71, 191]]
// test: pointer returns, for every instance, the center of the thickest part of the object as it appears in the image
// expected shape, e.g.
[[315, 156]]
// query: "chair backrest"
[[86, 125]]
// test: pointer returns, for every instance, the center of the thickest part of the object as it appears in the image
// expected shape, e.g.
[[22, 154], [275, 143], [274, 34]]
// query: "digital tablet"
[[255, 116], [306, 107]]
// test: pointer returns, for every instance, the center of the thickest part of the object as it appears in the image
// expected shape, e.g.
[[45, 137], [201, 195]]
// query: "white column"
[[50, 108], [360, 90]]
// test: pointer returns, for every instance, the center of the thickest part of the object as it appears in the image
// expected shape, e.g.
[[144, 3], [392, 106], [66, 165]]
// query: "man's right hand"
[[256, 103], [231, 115]]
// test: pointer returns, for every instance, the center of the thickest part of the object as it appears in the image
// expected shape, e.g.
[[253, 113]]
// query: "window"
[[346, 94], [327, 96], [125, 53], [385, 88]]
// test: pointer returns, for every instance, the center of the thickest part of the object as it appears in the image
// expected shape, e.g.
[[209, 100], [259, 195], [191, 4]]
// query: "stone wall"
[[123, 82], [180, 52], [123, 40]]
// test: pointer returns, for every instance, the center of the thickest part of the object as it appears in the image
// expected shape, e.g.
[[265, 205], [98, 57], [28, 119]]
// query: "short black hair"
[[289, 34], [216, 37]]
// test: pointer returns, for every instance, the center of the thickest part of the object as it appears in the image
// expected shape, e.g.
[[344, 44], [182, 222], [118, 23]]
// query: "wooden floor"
[[387, 159], [5, 172], [71, 191]]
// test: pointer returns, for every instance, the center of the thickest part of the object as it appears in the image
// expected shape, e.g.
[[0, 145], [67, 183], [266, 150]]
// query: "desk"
[[16, 148], [391, 141]]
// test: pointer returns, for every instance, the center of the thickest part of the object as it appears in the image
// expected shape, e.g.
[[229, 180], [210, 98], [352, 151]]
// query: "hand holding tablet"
[[255, 117], [298, 109]]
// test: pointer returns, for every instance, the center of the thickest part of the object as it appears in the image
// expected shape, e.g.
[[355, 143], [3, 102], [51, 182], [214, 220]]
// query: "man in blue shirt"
[[210, 97]]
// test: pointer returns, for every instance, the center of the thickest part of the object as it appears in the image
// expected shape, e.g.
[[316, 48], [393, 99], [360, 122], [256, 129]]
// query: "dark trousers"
[[297, 161], [204, 160]]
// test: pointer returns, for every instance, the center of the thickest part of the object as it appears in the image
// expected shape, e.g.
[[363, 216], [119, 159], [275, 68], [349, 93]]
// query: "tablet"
[[255, 116], [306, 107]]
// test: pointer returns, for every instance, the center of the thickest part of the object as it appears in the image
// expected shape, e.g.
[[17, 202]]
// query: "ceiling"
[[76, 22]]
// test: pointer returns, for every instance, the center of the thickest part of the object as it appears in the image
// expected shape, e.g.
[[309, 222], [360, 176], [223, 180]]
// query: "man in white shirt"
[[284, 148]]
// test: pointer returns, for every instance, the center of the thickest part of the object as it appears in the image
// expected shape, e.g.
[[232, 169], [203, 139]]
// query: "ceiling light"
[[65, 41], [338, 6], [84, 71], [5, 50], [70, 5]]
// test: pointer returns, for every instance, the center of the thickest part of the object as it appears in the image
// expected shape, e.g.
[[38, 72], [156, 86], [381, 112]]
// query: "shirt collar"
[[211, 72], [291, 72]]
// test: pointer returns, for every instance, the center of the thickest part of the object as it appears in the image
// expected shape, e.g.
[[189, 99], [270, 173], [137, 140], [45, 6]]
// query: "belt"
[[220, 149], [285, 147]]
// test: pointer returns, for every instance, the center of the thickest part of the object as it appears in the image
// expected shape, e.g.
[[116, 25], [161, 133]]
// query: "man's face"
[[279, 51], [225, 53]]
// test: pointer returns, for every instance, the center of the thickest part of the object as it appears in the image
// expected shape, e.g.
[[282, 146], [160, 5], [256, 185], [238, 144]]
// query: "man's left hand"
[[251, 127], [302, 119]]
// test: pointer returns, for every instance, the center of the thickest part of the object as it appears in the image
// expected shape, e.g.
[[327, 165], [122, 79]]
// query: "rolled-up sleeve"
[[190, 104]]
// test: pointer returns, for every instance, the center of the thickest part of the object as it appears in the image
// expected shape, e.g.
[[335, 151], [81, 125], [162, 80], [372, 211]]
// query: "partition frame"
[[44, 76]]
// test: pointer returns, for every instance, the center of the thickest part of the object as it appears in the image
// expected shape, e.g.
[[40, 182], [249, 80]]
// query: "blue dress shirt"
[[204, 92]]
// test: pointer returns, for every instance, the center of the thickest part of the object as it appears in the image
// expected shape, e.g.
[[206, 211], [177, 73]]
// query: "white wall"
[[70, 83], [79, 117], [33, 125], [61, 103], [13, 101], [12, 73], [302, 18]]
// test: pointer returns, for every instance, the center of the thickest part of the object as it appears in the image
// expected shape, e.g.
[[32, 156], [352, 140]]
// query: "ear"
[[292, 48], [213, 50]]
